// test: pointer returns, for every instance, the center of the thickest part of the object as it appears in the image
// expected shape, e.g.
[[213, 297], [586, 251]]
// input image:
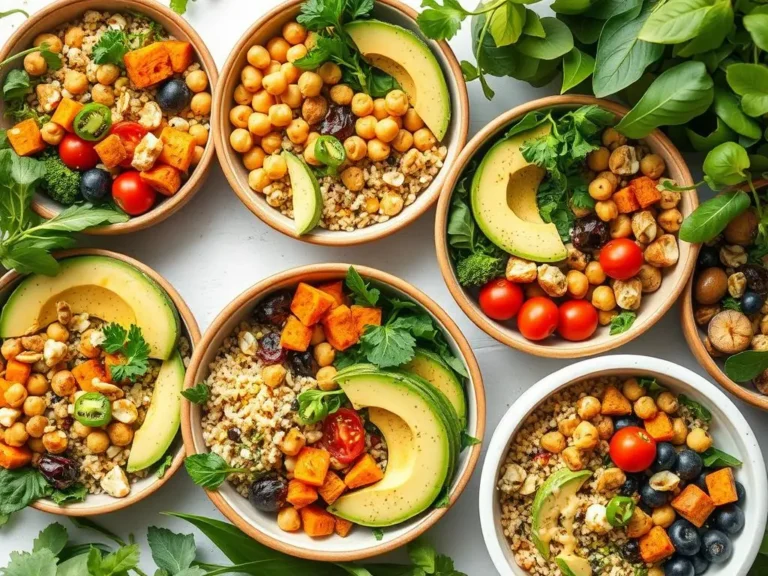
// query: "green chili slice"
[[330, 151], [620, 510], [93, 409]]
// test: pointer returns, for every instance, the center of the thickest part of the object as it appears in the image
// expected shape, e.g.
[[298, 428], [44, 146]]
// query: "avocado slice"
[[104, 287], [404, 56], [572, 565], [550, 499], [307, 198], [504, 201], [163, 417], [433, 369]]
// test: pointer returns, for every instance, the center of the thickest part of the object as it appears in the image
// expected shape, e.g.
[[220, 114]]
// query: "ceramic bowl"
[[269, 26], [360, 543], [96, 504], [654, 305], [730, 431], [62, 11]]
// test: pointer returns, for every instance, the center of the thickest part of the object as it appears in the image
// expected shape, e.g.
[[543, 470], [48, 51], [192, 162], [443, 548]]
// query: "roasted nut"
[[109, 390], [650, 278], [742, 229], [576, 259], [566, 426], [669, 198], [585, 437], [628, 293], [710, 286], [662, 252], [623, 161], [314, 109], [703, 314], [679, 431], [730, 332], [612, 138], [733, 256], [552, 280], [711, 350], [124, 411], [670, 220], [530, 485], [759, 342], [664, 481], [247, 343], [737, 284], [33, 343], [596, 519], [645, 408], [513, 479], [587, 407], [604, 426], [520, 271], [573, 459], [667, 402], [644, 226], [11, 348], [611, 479], [553, 442]]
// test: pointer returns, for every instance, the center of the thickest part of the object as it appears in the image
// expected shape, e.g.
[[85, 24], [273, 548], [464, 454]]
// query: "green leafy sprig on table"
[[130, 344], [209, 470], [22, 487]]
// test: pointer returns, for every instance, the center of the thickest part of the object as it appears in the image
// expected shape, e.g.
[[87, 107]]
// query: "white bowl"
[[729, 429]]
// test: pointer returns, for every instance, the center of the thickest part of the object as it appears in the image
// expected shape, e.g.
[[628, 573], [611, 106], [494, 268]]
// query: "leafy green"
[[577, 67], [21, 487], [557, 41], [16, 86], [166, 463], [698, 410], [478, 268], [717, 458], [750, 81], [112, 46], [75, 493], [197, 394], [41, 563], [622, 322], [170, 551], [712, 216], [88, 524], [315, 405], [53, 537], [362, 293], [677, 21], [467, 440], [730, 303], [115, 564], [746, 366], [388, 345], [209, 470], [133, 349], [378, 533], [179, 6]]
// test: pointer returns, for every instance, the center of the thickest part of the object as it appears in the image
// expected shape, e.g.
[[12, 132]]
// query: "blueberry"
[[684, 537], [651, 497], [95, 185], [699, 564], [631, 486], [689, 465], [630, 551], [174, 96], [741, 492], [626, 421], [708, 257], [701, 480], [729, 519], [751, 302], [716, 547], [666, 457], [678, 566]]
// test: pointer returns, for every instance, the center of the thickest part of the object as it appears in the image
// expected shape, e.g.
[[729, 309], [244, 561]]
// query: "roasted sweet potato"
[[300, 495], [312, 466], [16, 371], [164, 179], [25, 138], [722, 487], [295, 336], [364, 472], [694, 505], [178, 149], [182, 54], [615, 403], [645, 191], [365, 316], [340, 328], [85, 373], [625, 201], [335, 289], [660, 427], [317, 522], [12, 457], [66, 112], [111, 151], [148, 65], [4, 385], [343, 527], [332, 488], [656, 545], [640, 524], [310, 304]]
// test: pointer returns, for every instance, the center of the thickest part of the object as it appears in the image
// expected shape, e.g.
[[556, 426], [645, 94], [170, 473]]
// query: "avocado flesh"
[[550, 499], [163, 418], [405, 57], [103, 287], [572, 565], [504, 201], [431, 367], [307, 198]]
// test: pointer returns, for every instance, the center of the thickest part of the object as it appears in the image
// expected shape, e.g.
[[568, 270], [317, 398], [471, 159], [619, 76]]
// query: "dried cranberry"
[[303, 364], [233, 434], [60, 472], [268, 493], [274, 309], [66, 424], [338, 122], [590, 233], [270, 351], [757, 278], [542, 458]]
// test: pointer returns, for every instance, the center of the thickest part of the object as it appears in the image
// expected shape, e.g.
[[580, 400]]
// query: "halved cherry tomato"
[[632, 449], [538, 318], [132, 194], [500, 299], [621, 259], [77, 154], [130, 134], [343, 435], [578, 320]]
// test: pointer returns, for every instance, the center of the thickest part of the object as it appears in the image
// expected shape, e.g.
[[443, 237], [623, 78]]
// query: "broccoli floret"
[[478, 268], [62, 184]]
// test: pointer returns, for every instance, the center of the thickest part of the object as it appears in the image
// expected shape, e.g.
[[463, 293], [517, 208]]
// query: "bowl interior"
[[360, 542], [238, 175], [653, 305], [730, 431]]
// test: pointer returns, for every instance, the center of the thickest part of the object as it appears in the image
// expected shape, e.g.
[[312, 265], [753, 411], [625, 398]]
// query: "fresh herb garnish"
[[467, 440], [714, 457], [164, 465], [111, 48], [699, 411], [179, 6], [730, 303], [209, 470], [75, 493], [362, 293], [21, 487], [197, 394], [378, 533], [133, 349], [315, 405], [622, 322], [747, 365], [652, 387]]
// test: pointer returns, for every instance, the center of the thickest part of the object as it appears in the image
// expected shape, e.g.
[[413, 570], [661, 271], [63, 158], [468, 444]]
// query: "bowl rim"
[[470, 307], [193, 331], [199, 175], [544, 388], [271, 216], [214, 331]]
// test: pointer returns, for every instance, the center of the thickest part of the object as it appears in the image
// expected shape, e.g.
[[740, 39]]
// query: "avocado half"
[[434, 370]]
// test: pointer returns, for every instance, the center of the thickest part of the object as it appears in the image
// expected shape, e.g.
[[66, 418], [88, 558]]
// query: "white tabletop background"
[[214, 248]]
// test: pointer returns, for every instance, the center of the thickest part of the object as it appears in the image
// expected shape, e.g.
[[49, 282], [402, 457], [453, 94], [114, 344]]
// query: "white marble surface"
[[215, 248]]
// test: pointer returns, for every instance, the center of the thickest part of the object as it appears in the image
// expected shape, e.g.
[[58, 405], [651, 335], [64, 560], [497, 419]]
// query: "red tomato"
[[538, 318], [132, 194], [77, 154], [578, 320], [500, 299], [130, 134], [343, 435], [632, 449], [621, 259]]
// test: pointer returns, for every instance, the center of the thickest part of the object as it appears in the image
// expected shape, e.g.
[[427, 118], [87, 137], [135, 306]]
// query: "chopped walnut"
[[737, 284], [576, 259], [704, 314], [623, 161], [733, 256]]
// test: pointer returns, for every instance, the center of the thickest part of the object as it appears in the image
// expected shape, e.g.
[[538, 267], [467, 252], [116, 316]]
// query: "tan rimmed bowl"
[[654, 306], [63, 11], [103, 503], [268, 26], [261, 526]]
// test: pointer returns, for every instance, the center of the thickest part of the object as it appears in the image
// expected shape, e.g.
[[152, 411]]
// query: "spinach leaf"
[[557, 42], [714, 29], [750, 81], [577, 67], [75, 493], [622, 322], [717, 458], [21, 487], [726, 107], [711, 218], [209, 470], [756, 23], [197, 394], [677, 21], [170, 551], [698, 410], [746, 366], [16, 85], [585, 30], [706, 142]]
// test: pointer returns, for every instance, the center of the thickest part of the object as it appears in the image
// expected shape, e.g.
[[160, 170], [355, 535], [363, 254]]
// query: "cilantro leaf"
[[422, 555], [622, 322], [467, 440], [111, 47], [441, 22], [114, 337], [357, 9], [20, 487], [198, 394], [317, 15], [164, 465], [389, 345], [40, 563], [179, 6], [115, 564], [53, 537], [170, 551], [315, 405], [362, 293], [134, 349]]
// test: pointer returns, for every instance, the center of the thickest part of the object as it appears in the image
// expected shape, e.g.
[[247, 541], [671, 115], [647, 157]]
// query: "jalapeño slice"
[[93, 409], [93, 122]]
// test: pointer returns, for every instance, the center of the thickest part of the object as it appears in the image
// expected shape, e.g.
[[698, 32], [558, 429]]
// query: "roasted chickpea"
[[55, 442], [324, 354], [97, 441], [120, 434], [251, 79], [294, 33], [314, 109], [330, 73], [566, 426], [594, 272], [310, 84], [254, 158], [309, 154], [291, 73], [280, 115], [278, 49], [241, 140], [288, 519], [292, 97], [37, 384], [603, 298], [35, 64], [611, 177], [612, 138], [275, 83], [605, 318], [107, 74], [412, 121], [298, 131], [397, 103], [242, 96], [36, 426], [311, 40], [63, 383], [51, 41], [573, 458], [258, 179], [585, 437], [663, 516], [16, 435], [318, 335], [699, 440], [653, 166], [553, 442], [353, 178], [199, 133], [600, 189], [667, 402], [391, 204], [424, 140], [52, 133], [258, 57], [34, 406], [597, 160], [75, 82], [403, 141], [275, 166], [632, 389], [295, 53], [606, 210], [341, 94], [57, 332], [356, 148], [604, 426], [272, 142], [386, 130], [197, 155], [362, 105], [380, 109], [621, 226], [201, 104], [587, 407], [197, 80], [81, 430], [379, 151], [670, 220], [645, 408], [262, 101], [274, 66], [679, 431], [365, 127], [103, 95], [11, 348], [15, 395], [577, 282], [371, 205], [73, 37]]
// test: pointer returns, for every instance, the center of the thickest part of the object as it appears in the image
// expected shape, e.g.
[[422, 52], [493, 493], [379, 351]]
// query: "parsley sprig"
[[111, 48], [362, 293], [315, 405], [132, 346]]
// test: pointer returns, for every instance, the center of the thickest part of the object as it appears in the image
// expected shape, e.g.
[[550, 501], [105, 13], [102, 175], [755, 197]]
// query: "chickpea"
[[97, 442], [353, 178], [391, 204], [37, 384], [412, 121], [103, 95], [378, 151], [273, 375], [288, 519], [120, 434], [314, 109], [330, 73], [295, 53], [577, 284], [81, 430], [362, 105], [621, 226], [258, 57], [310, 84], [424, 140], [294, 33], [52, 133], [275, 167], [597, 160], [274, 66], [566, 426], [699, 440], [311, 40], [298, 131], [403, 141], [251, 78], [605, 318], [606, 210], [272, 142], [553, 442], [604, 427], [667, 402], [341, 94], [573, 458], [197, 80], [16, 435], [663, 516], [380, 109], [603, 298], [197, 155], [372, 205], [278, 49], [293, 443], [594, 273], [386, 130], [585, 437], [292, 97], [36, 426], [201, 104], [632, 389], [670, 220], [11, 348], [258, 179], [611, 177], [262, 101], [57, 332], [325, 378], [356, 148], [73, 37], [35, 64], [55, 442], [241, 140], [51, 41], [653, 166], [15, 395], [199, 133], [587, 407], [397, 103], [600, 189], [63, 383], [34, 406], [612, 138], [324, 354], [680, 431], [280, 115], [645, 408], [254, 158], [242, 96], [291, 73], [75, 82], [365, 127]]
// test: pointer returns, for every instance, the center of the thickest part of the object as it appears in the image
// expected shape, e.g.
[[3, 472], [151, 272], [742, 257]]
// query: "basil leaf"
[[711, 218], [750, 81], [16, 85], [726, 107], [677, 21], [209, 470], [714, 29], [746, 366], [698, 410], [585, 30], [557, 42], [622, 322], [507, 23], [714, 457], [726, 165], [577, 67]]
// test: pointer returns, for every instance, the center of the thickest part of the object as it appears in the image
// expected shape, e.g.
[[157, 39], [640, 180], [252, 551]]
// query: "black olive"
[[233, 434], [303, 363], [60, 472], [339, 122], [295, 405], [274, 309], [751, 302], [631, 551], [757, 278], [708, 257], [174, 96], [268, 493], [270, 351], [590, 233]]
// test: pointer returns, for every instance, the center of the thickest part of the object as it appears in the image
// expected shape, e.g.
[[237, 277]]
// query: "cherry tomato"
[[130, 134], [77, 154], [621, 259], [132, 194], [632, 449], [500, 299], [578, 320], [538, 318], [343, 435]]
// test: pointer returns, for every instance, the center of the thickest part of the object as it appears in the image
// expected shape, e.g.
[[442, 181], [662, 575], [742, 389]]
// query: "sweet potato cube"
[[85, 373], [12, 457], [335, 289], [16, 371], [660, 427], [340, 328], [148, 65], [640, 524], [111, 151], [182, 54], [332, 488], [615, 403], [625, 201], [66, 112], [4, 385], [656, 545], [317, 522], [343, 527], [178, 148], [163, 178], [295, 336], [365, 317], [25, 138], [722, 487], [364, 472], [694, 505], [645, 191], [300, 495], [310, 304], [312, 466]]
